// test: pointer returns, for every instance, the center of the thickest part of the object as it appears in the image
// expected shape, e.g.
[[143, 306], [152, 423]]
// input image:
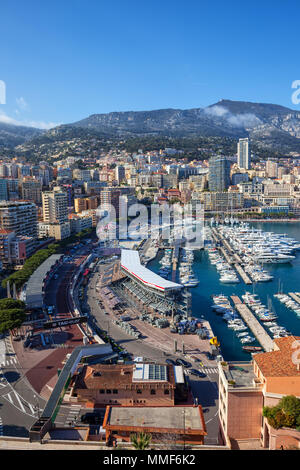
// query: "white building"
[[243, 151]]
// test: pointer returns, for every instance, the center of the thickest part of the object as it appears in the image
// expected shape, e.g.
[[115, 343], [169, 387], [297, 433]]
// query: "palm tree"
[[140, 441]]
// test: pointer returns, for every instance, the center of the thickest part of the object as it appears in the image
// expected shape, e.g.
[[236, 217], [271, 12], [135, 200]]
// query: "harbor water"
[[287, 276]]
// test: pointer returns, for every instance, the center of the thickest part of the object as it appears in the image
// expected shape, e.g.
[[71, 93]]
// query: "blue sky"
[[64, 60]]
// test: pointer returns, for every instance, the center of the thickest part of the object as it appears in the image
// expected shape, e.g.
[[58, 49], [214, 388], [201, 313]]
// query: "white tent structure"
[[131, 265]]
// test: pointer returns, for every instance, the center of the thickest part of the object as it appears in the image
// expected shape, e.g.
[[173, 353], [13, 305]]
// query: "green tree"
[[290, 405], [140, 441], [30, 265], [285, 413], [11, 319], [7, 304]]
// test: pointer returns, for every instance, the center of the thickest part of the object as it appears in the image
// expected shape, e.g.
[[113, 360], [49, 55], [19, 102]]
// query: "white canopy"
[[130, 262]]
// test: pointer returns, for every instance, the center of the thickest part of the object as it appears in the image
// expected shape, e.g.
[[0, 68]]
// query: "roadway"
[[20, 385], [20, 405], [19, 401], [205, 389]]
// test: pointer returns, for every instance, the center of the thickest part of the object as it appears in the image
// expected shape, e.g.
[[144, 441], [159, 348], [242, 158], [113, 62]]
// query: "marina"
[[287, 274]]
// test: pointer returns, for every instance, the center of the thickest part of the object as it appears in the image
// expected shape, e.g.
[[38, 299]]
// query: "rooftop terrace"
[[241, 374]]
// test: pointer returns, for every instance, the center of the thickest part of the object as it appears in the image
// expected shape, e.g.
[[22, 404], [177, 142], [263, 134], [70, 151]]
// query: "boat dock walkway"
[[175, 259], [230, 256], [295, 297], [257, 329], [242, 273]]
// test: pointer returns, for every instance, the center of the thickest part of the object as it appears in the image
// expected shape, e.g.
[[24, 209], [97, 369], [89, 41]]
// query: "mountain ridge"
[[268, 125]]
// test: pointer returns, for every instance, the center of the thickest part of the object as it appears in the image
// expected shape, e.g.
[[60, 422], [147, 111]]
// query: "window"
[[139, 391], [108, 391], [115, 391], [101, 390], [167, 391], [153, 392]]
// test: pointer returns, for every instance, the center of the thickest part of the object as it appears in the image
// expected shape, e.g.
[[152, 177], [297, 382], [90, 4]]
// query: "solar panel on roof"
[[157, 372]]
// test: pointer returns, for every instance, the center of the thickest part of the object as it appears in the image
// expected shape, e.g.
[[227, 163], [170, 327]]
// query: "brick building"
[[129, 385], [245, 388]]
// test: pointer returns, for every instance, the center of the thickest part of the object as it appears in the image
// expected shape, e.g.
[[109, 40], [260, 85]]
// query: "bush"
[[290, 404], [286, 413]]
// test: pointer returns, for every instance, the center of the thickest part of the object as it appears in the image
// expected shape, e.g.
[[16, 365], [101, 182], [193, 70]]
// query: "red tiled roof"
[[280, 363]]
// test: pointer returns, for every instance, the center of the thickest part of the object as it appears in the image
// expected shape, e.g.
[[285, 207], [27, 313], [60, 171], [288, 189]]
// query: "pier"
[[242, 273], [230, 256], [175, 259], [257, 329], [295, 297]]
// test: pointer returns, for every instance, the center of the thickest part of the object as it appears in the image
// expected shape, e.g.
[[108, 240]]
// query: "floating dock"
[[230, 256], [175, 258], [295, 297], [242, 273], [257, 329]]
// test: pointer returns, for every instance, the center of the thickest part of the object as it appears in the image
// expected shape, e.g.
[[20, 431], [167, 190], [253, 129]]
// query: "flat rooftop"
[[168, 418], [121, 375], [34, 288], [241, 373]]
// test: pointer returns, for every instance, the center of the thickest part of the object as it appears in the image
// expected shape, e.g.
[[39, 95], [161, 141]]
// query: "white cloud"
[[236, 120], [4, 118], [244, 120], [216, 110]]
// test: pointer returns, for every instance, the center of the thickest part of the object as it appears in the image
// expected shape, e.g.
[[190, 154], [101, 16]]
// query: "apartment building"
[[245, 388], [222, 201], [15, 249], [79, 222], [3, 190], [19, 217], [243, 151], [85, 203], [31, 190], [271, 169], [237, 178], [110, 197], [120, 174], [55, 215], [59, 231], [55, 206], [82, 175], [278, 190]]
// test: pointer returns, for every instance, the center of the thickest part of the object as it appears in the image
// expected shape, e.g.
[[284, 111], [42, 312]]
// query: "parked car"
[[197, 373], [182, 362]]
